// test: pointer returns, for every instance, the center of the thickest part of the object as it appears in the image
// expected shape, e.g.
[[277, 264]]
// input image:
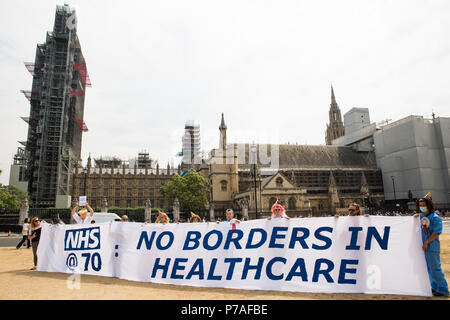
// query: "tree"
[[191, 191], [10, 197]]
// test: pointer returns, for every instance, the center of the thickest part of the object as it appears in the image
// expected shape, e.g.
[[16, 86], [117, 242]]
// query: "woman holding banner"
[[431, 229], [34, 237], [278, 211]]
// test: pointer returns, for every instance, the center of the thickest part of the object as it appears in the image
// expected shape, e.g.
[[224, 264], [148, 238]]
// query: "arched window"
[[279, 182], [223, 185], [272, 201], [291, 204]]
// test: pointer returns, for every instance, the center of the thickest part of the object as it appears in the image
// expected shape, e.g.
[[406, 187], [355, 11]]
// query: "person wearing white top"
[[25, 234], [83, 217]]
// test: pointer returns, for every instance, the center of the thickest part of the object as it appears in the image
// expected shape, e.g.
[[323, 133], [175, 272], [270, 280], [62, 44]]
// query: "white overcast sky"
[[268, 65]]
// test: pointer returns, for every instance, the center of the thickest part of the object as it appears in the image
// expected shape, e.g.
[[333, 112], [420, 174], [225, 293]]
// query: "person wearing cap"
[[195, 218], [278, 211], [82, 217], [431, 227], [162, 218]]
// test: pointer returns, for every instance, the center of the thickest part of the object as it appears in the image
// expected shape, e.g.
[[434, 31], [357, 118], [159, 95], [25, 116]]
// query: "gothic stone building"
[[309, 180], [121, 185]]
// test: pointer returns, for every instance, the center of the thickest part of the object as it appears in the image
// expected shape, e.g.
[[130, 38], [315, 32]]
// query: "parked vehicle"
[[102, 217]]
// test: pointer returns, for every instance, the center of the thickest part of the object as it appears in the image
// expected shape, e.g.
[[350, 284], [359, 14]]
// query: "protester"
[[82, 217], [195, 218], [353, 210], [245, 219], [229, 214], [278, 211], [55, 219], [34, 237], [431, 229], [124, 218], [162, 218], [25, 233]]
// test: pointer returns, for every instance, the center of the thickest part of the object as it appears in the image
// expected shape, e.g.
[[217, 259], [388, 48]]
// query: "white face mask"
[[424, 209]]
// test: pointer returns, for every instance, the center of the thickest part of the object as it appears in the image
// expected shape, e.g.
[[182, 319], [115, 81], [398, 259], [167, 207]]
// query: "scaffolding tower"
[[55, 124], [191, 144]]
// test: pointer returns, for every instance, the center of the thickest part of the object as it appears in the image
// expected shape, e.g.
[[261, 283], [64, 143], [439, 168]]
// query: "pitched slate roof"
[[304, 156]]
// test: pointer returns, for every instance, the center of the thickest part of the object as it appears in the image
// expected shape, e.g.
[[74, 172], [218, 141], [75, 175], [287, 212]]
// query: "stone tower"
[[335, 128], [223, 173], [223, 134]]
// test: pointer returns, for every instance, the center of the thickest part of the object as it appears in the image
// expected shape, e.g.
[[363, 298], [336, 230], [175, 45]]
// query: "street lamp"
[[393, 185], [253, 150], [85, 178]]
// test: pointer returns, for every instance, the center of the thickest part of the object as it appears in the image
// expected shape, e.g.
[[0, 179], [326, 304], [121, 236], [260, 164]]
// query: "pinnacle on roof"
[[333, 98], [222, 123]]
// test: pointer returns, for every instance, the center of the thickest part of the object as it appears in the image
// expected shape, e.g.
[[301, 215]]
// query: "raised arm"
[[90, 209], [74, 210]]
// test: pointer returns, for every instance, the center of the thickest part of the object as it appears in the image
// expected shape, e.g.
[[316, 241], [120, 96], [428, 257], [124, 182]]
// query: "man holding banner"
[[82, 217]]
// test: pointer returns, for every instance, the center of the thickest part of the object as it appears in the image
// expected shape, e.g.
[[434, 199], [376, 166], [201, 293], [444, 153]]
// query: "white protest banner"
[[348, 254]]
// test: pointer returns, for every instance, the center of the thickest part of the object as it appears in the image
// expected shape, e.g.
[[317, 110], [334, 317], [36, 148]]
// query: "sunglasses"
[[351, 209]]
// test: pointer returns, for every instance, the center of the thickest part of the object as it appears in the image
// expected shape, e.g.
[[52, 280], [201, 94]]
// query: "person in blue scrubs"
[[431, 225]]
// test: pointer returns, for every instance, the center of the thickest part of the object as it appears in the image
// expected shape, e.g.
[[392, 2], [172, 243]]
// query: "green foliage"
[[10, 198], [191, 191]]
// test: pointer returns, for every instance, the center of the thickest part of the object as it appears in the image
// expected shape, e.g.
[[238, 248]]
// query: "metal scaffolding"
[[56, 111]]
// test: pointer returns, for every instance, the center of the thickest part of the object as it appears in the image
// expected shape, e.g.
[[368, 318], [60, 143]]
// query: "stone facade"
[[309, 180], [122, 187]]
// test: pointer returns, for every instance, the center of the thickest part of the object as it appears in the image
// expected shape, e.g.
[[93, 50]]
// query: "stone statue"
[[243, 203], [104, 205], [176, 210], [211, 213], [148, 211], [23, 210]]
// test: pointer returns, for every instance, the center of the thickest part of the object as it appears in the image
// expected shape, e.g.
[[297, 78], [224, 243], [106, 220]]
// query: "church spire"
[[335, 128], [223, 134], [333, 98], [222, 123]]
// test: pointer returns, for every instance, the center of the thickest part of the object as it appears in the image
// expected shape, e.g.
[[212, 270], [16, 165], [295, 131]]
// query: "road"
[[12, 241]]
